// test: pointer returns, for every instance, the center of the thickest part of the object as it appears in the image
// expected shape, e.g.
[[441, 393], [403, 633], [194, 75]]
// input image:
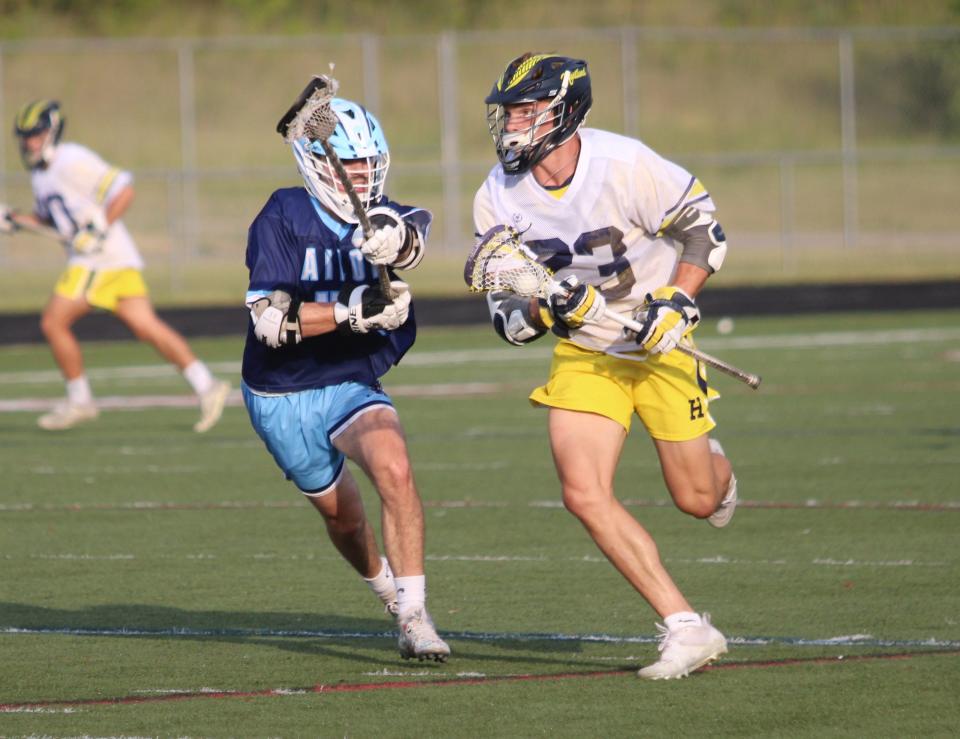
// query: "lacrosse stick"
[[312, 117], [500, 261], [25, 224]]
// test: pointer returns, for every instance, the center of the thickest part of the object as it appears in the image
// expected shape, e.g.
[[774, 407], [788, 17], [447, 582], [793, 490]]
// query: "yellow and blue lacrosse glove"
[[89, 237], [668, 315], [577, 304]]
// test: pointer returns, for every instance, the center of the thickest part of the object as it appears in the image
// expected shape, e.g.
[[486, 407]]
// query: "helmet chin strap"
[[553, 177]]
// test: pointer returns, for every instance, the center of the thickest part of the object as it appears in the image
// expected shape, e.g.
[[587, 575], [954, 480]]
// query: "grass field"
[[160, 583]]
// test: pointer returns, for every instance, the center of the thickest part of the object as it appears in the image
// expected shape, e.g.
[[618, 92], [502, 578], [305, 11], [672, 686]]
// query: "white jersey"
[[605, 229], [75, 187]]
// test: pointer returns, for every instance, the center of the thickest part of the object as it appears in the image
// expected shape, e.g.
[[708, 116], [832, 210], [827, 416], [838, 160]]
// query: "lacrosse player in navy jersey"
[[628, 231], [321, 334]]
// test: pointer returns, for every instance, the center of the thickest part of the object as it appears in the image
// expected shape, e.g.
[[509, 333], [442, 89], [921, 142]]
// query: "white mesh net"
[[500, 261], [315, 120]]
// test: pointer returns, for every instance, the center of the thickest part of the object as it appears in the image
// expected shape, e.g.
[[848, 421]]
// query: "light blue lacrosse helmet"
[[359, 143]]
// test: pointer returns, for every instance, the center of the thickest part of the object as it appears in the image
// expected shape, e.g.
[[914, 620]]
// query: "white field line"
[[513, 355], [235, 399], [854, 640], [717, 560], [434, 359]]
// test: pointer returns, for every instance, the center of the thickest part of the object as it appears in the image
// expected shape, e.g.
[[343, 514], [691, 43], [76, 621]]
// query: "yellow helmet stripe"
[[29, 115], [521, 71]]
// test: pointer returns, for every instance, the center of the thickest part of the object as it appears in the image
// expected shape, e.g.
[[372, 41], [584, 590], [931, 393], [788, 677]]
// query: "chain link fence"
[[832, 154]]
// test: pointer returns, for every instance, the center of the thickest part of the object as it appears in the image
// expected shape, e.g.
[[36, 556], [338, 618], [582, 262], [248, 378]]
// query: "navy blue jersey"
[[296, 246]]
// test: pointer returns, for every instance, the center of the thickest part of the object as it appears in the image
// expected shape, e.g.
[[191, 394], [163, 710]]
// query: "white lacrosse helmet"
[[357, 138]]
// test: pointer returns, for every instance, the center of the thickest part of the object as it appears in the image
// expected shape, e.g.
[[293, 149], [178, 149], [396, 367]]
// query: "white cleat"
[[685, 650], [418, 638], [721, 517], [67, 415], [211, 406]]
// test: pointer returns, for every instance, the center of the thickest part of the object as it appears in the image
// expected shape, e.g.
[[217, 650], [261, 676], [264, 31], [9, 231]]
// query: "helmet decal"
[[521, 71]]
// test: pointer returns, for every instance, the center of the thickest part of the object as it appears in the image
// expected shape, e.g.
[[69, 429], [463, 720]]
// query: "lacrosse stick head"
[[500, 261], [311, 116], [319, 128]]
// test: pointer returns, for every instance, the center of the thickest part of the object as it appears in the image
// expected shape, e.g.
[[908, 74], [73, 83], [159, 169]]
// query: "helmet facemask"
[[521, 148], [360, 145], [367, 176], [38, 119], [561, 83]]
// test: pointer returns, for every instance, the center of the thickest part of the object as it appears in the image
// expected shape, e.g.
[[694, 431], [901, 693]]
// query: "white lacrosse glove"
[[390, 235], [668, 315], [89, 237], [578, 304], [276, 319], [7, 224], [363, 308]]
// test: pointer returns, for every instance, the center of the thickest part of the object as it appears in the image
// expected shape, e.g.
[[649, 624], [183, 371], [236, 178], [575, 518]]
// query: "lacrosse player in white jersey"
[[624, 230], [83, 198]]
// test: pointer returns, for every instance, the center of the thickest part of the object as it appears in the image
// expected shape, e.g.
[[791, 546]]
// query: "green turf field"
[[161, 583]]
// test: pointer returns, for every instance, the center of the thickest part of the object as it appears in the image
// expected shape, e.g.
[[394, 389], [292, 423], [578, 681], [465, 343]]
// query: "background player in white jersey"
[[609, 216], [84, 198], [321, 334]]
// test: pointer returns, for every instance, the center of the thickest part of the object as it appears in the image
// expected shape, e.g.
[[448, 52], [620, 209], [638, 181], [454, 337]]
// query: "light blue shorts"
[[299, 429]]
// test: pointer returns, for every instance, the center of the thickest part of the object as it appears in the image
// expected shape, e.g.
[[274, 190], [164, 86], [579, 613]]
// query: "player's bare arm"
[[119, 204]]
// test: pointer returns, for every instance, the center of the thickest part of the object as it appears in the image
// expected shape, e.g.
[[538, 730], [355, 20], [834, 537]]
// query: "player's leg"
[[140, 317], [137, 312], [293, 427], [696, 477], [374, 440], [592, 398], [351, 533], [672, 398], [586, 448], [56, 323]]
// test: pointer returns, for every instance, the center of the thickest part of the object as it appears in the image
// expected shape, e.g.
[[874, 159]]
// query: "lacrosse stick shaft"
[[718, 364], [25, 224], [382, 274], [500, 261]]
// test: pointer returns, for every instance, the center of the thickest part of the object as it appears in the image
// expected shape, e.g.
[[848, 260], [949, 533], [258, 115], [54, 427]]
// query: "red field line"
[[405, 684]]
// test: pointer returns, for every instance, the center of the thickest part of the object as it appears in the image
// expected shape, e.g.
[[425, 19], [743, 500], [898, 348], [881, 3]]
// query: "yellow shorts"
[[101, 288], [668, 392]]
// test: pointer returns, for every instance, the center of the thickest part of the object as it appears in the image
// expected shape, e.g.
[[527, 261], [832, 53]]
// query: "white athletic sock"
[[383, 584], [78, 391], [682, 619], [199, 377], [411, 594]]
